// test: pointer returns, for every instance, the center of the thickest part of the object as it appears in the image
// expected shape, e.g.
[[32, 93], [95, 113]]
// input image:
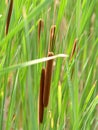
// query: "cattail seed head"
[[73, 49], [40, 28], [41, 106], [48, 75], [9, 16], [52, 38]]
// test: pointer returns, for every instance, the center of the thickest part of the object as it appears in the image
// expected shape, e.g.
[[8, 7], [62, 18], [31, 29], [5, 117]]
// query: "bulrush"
[[48, 75], [40, 28], [9, 16], [52, 38], [73, 49], [41, 107]]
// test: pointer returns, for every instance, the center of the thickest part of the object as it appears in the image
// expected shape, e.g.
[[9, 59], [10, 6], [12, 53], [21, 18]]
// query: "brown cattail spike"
[[40, 28], [74, 48], [52, 38], [48, 75], [9, 16], [41, 106]]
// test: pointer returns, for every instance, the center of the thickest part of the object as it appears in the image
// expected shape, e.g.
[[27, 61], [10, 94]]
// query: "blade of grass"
[[29, 63]]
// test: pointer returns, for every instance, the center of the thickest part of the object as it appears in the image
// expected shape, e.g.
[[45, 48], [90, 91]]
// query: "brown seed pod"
[[9, 16], [48, 75], [74, 49], [40, 28], [41, 106], [52, 38]]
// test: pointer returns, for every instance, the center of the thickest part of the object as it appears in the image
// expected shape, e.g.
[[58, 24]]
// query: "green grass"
[[73, 101]]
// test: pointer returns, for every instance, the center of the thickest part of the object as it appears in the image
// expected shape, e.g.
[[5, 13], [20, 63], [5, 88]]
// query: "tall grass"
[[33, 28]]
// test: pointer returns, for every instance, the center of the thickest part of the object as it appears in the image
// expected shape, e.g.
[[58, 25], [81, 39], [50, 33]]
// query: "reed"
[[9, 16], [48, 75], [41, 107]]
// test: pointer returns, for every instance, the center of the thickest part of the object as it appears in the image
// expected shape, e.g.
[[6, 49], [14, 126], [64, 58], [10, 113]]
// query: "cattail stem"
[[48, 75], [52, 38], [41, 106], [40, 28], [9, 16]]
